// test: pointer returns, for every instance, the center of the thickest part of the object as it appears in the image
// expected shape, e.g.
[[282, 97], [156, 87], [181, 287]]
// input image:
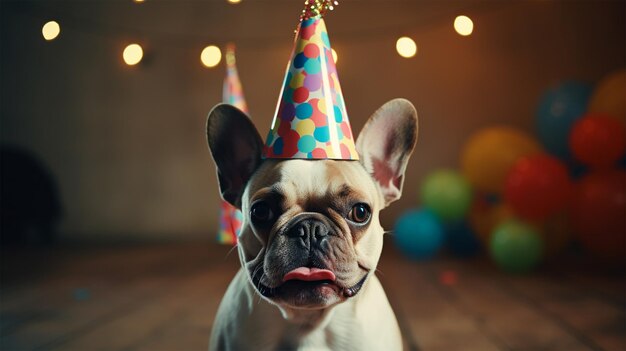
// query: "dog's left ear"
[[386, 143], [236, 148]]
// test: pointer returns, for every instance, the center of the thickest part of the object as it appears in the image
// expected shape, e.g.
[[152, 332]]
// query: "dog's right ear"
[[236, 148]]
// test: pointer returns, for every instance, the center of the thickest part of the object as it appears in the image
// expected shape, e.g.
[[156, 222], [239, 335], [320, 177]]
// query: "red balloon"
[[537, 187], [598, 140], [599, 213]]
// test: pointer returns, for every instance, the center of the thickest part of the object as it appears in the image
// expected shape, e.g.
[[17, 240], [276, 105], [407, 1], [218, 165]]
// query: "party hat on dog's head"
[[231, 217], [311, 121]]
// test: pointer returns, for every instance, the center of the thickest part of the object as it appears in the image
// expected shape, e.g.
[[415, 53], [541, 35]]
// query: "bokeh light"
[[211, 56], [406, 47], [335, 57], [234, 1], [133, 54], [50, 30], [463, 25]]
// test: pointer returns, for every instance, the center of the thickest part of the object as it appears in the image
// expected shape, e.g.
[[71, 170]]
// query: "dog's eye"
[[360, 213], [261, 212]]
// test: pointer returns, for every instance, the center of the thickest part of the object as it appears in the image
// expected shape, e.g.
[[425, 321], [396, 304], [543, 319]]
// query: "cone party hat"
[[311, 121], [230, 216], [233, 92]]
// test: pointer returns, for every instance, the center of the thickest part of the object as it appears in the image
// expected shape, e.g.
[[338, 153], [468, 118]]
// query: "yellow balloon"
[[609, 96], [490, 153]]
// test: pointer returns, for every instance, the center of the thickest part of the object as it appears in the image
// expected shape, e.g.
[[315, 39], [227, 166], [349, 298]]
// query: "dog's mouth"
[[305, 281]]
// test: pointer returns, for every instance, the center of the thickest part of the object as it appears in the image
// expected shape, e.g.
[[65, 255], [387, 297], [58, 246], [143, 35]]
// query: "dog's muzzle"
[[312, 232]]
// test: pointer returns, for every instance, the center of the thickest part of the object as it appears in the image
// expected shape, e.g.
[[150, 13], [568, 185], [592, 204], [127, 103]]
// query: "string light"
[[50, 30], [463, 25], [211, 56], [133, 54], [406, 47]]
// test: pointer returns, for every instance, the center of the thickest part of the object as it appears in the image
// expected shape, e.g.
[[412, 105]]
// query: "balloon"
[[608, 96], [599, 213], [489, 154], [555, 233], [418, 234], [558, 109], [537, 186], [516, 246], [479, 218], [447, 194], [461, 240], [598, 140], [484, 217]]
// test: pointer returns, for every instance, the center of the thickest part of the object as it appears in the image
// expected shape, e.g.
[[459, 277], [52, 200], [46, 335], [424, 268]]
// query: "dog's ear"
[[236, 148], [385, 144]]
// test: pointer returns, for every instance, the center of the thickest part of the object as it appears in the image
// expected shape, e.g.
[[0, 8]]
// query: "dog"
[[311, 237]]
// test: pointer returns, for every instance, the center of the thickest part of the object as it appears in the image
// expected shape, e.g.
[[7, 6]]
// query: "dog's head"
[[311, 234]]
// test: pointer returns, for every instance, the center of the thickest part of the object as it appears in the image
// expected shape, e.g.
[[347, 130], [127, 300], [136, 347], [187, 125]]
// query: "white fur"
[[246, 322]]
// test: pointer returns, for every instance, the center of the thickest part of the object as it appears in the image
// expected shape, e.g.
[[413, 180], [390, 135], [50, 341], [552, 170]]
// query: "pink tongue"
[[309, 274]]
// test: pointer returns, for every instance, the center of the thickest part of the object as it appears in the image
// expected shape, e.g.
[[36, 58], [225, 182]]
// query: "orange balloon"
[[485, 218], [479, 218], [609, 96], [489, 154]]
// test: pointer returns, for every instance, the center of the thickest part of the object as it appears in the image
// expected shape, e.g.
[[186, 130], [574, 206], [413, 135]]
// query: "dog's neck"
[[307, 319]]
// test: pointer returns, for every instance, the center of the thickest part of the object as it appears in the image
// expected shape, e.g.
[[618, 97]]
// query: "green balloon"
[[447, 194], [516, 246]]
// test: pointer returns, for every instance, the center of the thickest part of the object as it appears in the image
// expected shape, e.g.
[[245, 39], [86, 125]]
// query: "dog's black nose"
[[311, 231]]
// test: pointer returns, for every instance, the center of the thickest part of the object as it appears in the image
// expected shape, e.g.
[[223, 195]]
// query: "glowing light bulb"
[[234, 1], [133, 54], [406, 47], [335, 57], [211, 56], [50, 30], [139, 1], [463, 25]]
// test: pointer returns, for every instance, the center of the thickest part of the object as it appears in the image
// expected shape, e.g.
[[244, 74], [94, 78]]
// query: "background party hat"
[[233, 92], [311, 121], [231, 217]]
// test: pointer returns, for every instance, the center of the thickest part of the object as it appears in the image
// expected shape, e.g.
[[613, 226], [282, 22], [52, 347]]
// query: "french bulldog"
[[311, 237]]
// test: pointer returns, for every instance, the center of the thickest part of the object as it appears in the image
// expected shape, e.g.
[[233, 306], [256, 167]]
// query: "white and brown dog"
[[311, 237]]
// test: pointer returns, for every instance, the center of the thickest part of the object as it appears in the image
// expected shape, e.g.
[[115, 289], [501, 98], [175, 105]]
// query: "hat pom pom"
[[317, 8]]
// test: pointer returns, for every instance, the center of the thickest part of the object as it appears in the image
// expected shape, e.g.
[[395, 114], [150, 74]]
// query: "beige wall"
[[128, 145]]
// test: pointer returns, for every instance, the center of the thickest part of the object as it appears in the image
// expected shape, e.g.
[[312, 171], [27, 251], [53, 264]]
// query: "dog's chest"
[[342, 332]]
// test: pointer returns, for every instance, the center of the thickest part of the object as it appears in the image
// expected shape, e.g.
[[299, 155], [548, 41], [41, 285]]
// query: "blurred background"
[[519, 165]]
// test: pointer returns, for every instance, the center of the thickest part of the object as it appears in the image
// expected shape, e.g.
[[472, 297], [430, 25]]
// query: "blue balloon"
[[558, 109], [461, 240], [419, 234]]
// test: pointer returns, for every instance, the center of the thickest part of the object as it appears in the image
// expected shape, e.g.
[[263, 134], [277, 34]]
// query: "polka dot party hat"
[[230, 224], [230, 216], [233, 92], [311, 121]]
